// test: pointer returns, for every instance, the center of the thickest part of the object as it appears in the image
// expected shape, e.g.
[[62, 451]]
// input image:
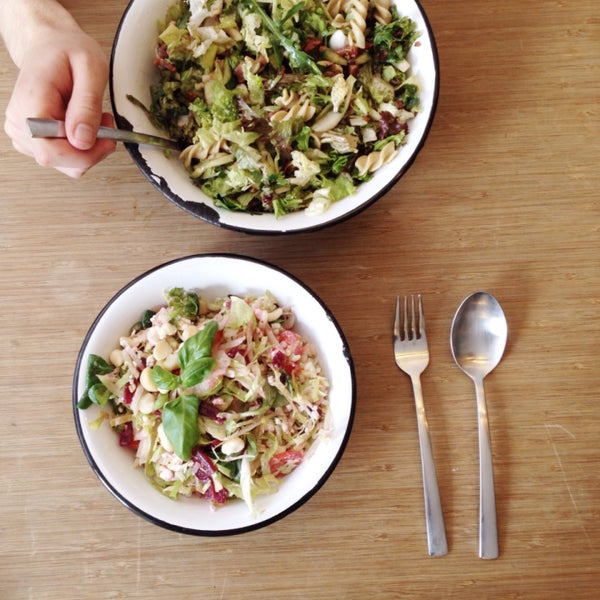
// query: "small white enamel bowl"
[[216, 275], [132, 73]]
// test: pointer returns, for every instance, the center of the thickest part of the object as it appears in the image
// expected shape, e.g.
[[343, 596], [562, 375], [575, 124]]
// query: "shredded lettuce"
[[218, 398]]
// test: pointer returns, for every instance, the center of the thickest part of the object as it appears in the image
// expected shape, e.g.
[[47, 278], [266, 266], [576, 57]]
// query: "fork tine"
[[397, 319], [408, 327], [413, 318], [421, 333]]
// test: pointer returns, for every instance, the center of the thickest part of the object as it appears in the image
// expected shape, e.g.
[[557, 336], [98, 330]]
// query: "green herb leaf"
[[303, 138], [98, 394], [84, 402], [196, 371], [96, 366], [164, 380], [160, 401], [180, 423], [198, 346], [146, 318]]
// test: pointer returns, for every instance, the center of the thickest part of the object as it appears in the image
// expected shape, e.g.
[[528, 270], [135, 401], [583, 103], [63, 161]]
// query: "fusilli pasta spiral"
[[376, 159], [356, 13], [292, 106], [381, 11]]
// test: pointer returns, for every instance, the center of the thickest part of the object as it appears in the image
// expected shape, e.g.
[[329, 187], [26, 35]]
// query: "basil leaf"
[[180, 423], [198, 346], [196, 371], [164, 380]]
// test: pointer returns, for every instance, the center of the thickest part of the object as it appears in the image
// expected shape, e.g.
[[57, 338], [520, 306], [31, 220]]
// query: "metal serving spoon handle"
[[51, 128], [477, 340]]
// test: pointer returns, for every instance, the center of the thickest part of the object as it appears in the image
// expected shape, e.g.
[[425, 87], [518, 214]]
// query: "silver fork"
[[412, 357]]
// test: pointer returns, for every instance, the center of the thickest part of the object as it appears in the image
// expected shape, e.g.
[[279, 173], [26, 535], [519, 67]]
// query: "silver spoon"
[[51, 128], [477, 339]]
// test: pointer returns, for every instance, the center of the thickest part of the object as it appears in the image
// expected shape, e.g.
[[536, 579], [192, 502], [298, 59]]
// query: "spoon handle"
[[434, 517], [488, 529]]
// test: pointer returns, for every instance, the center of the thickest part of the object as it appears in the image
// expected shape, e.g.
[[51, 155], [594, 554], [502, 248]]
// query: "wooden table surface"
[[504, 197]]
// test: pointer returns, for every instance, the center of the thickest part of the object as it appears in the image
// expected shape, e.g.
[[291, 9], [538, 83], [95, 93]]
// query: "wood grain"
[[503, 197]]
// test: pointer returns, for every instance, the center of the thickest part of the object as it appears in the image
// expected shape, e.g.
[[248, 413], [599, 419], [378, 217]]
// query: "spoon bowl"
[[477, 340], [479, 333]]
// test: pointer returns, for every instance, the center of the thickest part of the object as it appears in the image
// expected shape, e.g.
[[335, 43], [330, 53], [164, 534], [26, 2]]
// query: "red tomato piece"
[[217, 340], [285, 462], [292, 347]]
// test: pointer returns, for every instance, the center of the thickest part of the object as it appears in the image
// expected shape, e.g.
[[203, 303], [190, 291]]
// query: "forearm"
[[23, 21]]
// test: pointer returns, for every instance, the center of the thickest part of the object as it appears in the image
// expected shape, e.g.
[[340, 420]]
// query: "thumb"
[[84, 111]]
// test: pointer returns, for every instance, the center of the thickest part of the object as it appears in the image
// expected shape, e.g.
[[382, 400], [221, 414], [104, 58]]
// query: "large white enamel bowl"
[[215, 275], [132, 73]]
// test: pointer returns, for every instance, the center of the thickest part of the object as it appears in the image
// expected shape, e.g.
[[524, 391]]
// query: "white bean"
[[164, 440], [147, 381], [170, 362], [167, 329], [162, 350], [146, 404], [232, 445], [116, 357], [188, 332]]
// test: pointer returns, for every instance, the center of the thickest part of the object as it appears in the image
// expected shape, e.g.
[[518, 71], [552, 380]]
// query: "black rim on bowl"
[[209, 214], [187, 530]]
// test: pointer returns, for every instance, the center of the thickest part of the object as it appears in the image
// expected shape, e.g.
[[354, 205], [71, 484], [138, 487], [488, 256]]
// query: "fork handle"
[[434, 517]]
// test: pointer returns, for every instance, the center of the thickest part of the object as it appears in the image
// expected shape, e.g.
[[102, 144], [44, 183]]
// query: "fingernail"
[[84, 135]]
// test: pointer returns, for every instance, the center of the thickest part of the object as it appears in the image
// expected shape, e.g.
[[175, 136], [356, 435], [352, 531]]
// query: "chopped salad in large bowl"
[[292, 115], [284, 106]]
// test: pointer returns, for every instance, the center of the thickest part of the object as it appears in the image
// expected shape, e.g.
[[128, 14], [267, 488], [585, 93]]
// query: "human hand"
[[63, 76]]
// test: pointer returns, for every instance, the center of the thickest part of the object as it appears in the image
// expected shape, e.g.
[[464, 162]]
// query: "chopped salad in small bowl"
[[213, 412]]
